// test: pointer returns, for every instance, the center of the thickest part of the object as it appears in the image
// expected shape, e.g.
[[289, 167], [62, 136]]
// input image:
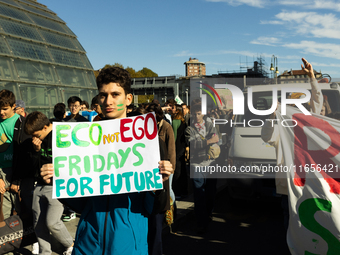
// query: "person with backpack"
[[14, 155]]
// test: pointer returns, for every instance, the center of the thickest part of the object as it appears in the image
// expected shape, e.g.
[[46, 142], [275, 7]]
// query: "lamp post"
[[274, 67], [186, 94]]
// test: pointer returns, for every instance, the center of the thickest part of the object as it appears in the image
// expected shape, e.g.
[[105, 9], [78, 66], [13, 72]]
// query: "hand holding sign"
[[165, 169], [46, 173]]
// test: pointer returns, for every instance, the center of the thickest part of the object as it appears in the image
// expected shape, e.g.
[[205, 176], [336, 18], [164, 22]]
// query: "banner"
[[311, 149], [178, 100], [106, 157]]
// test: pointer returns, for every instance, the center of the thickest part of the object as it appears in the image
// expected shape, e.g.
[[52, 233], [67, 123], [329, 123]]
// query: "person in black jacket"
[[46, 211], [74, 104], [14, 155]]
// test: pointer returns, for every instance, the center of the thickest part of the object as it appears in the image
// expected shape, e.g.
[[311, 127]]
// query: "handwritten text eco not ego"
[[107, 157]]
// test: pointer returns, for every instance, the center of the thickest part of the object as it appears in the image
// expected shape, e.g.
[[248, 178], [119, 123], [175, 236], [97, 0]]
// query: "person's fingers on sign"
[[46, 172], [165, 169]]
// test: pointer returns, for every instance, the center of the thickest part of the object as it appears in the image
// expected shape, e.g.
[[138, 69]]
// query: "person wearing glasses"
[[74, 104]]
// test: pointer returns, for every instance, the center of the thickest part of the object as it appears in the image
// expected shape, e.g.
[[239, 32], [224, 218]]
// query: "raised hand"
[[308, 68]]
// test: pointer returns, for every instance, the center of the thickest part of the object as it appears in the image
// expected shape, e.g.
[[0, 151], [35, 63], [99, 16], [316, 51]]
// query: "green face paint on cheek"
[[120, 105]]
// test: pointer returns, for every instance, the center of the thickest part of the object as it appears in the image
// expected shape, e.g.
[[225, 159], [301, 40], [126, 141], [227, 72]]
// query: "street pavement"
[[238, 227]]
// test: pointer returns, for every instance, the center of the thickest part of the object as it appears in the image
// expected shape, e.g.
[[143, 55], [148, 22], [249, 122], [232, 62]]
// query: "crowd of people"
[[26, 172]]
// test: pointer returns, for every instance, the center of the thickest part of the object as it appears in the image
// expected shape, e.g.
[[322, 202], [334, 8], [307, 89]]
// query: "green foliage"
[[145, 72]]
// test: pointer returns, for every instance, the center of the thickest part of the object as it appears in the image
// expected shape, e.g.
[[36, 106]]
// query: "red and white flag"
[[312, 150]]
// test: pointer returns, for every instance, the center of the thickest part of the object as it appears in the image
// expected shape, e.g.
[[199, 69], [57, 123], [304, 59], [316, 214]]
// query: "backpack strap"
[[18, 129]]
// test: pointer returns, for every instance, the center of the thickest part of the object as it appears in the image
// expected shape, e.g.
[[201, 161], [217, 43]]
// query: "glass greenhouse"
[[41, 60]]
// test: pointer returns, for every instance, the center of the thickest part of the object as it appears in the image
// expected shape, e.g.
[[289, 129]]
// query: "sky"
[[226, 35]]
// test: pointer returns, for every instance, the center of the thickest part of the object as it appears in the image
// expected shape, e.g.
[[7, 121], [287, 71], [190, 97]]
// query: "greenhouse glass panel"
[[28, 50], [35, 72], [41, 12], [11, 2], [47, 23], [35, 95], [78, 45], [66, 57], [86, 95], [82, 76], [14, 13], [47, 111], [86, 61], [19, 29], [57, 39], [3, 46], [70, 93], [74, 77], [12, 86], [37, 5], [6, 69], [92, 79], [53, 95], [69, 31]]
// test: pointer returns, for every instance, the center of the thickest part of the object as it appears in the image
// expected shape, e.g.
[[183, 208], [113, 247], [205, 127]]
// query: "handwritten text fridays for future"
[[107, 157]]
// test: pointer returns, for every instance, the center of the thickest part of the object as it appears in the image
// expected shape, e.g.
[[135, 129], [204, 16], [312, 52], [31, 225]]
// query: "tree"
[[131, 71], [114, 65], [145, 72]]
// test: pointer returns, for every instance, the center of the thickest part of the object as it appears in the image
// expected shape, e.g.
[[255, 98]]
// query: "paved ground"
[[238, 227]]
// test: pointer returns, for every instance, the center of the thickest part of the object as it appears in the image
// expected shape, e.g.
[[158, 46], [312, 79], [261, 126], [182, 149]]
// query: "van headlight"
[[334, 85]]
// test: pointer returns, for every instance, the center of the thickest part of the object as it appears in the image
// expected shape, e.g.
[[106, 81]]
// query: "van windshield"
[[264, 100]]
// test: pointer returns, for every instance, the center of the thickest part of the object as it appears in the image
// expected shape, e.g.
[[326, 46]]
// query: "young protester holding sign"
[[113, 224]]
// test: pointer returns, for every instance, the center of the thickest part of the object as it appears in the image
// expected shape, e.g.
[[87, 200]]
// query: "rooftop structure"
[[193, 67], [296, 76]]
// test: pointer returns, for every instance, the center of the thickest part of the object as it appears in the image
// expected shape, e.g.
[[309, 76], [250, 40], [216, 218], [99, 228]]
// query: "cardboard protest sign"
[[312, 148], [106, 157]]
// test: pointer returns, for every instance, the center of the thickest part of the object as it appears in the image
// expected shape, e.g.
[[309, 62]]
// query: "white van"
[[248, 149]]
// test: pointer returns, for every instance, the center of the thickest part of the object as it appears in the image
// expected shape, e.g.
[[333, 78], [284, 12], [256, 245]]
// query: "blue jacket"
[[113, 224]]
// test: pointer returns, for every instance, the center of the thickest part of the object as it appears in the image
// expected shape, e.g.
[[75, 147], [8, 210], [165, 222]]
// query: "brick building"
[[194, 68], [296, 76]]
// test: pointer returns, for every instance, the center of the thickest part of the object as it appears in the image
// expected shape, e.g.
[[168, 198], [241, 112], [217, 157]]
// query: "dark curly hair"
[[157, 109], [115, 75], [7, 98], [36, 121], [59, 111]]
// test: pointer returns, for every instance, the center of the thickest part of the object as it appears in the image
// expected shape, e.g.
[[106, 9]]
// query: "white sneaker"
[[35, 248], [68, 217], [68, 251]]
